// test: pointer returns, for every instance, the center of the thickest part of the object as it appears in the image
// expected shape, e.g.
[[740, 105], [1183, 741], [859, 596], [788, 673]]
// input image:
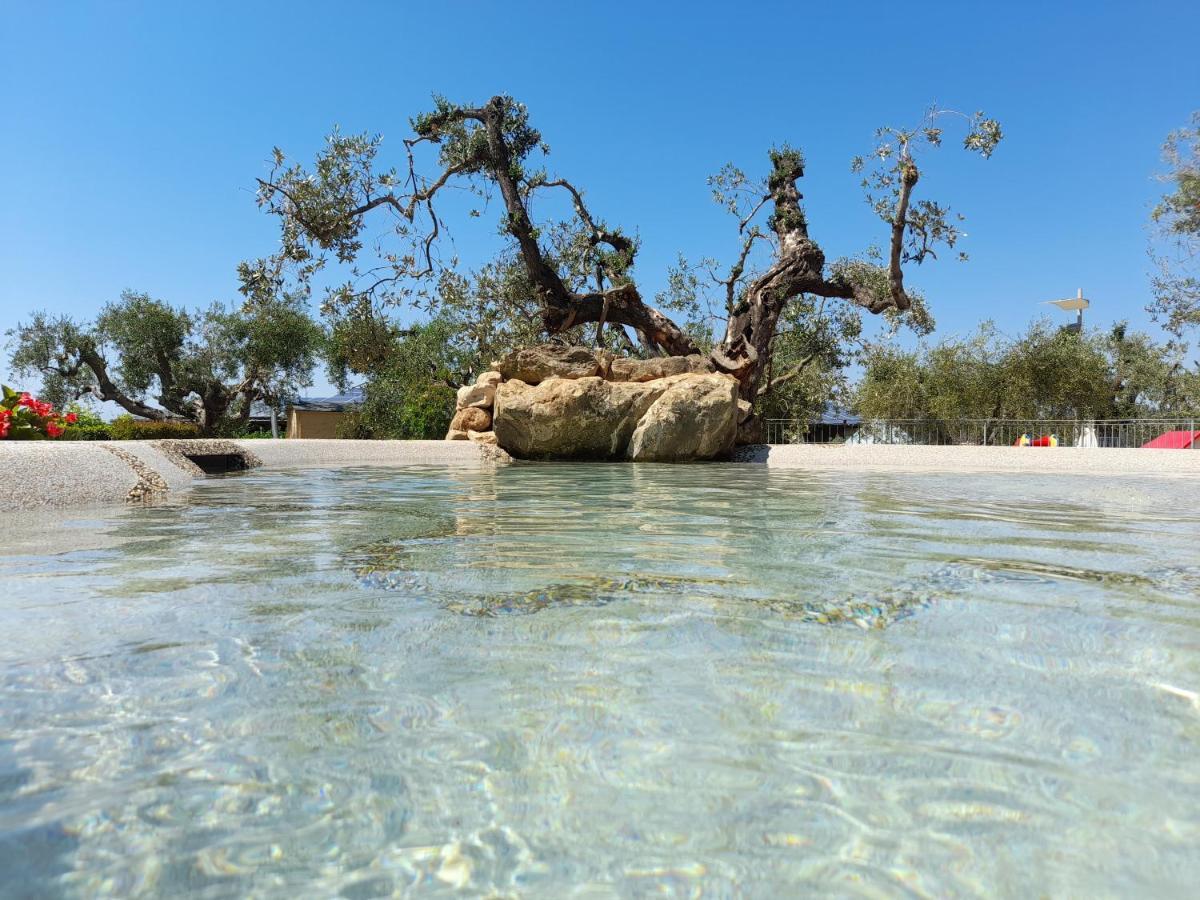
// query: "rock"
[[630, 369], [561, 418], [534, 365], [491, 377], [749, 431], [681, 417], [455, 434], [604, 359], [483, 437], [750, 426], [696, 417], [471, 419], [478, 395]]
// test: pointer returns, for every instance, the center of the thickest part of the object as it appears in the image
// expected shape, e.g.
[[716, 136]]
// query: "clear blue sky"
[[134, 131]]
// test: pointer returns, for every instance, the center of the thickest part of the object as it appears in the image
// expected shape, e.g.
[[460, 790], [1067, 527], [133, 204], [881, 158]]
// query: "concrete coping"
[[41, 474]]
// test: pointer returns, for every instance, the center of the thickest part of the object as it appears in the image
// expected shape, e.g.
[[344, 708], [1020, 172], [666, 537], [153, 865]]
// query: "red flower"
[[32, 417]]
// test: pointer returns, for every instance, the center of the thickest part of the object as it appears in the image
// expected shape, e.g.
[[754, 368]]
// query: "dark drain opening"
[[218, 463]]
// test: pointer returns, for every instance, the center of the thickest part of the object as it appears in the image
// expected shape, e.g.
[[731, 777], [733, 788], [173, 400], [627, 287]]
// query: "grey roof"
[[260, 410], [336, 403], [837, 415]]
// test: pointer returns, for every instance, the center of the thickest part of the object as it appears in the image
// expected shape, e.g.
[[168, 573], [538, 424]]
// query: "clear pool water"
[[607, 680]]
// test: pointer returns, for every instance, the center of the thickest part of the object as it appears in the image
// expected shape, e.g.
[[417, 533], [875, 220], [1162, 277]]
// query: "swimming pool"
[[607, 680]]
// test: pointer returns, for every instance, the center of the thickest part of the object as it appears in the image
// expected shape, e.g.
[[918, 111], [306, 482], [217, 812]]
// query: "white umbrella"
[[1078, 304]]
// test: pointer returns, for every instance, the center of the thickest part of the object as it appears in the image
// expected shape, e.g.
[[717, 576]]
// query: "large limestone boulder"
[[695, 417], [554, 402], [631, 369], [561, 418], [533, 365], [682, 417]]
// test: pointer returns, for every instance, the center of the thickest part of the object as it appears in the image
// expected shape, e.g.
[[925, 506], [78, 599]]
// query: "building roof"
[[336, 403], [260, 411], [836, 415]]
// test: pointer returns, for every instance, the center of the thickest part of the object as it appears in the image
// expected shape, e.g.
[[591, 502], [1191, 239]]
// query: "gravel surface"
[[1033, 460], [41, 474], [301, 452]]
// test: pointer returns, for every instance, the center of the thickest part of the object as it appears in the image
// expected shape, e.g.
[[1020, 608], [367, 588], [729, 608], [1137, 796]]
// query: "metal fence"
[[986, 432]]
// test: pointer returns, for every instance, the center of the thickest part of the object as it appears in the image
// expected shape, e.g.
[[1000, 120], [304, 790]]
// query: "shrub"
[[398, 407], [127, 428], [352, 426], [88, 426], [99, 432], [245, 430]]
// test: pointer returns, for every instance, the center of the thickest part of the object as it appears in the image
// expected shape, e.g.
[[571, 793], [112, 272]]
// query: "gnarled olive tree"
[[160, 362], [587, 277]]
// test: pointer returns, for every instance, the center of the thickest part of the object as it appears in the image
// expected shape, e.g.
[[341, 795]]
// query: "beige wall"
[[307, 423]]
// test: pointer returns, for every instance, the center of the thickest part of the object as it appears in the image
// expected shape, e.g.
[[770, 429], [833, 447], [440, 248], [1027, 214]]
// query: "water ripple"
[[587, 680]]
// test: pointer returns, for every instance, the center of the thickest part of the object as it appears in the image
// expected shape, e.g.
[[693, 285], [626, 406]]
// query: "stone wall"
[[553, 402]]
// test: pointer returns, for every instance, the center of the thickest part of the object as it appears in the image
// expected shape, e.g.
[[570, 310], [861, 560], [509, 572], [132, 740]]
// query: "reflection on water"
[[608, 680]]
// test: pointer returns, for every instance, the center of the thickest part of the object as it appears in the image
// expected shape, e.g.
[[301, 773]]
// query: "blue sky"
[[134, 131]]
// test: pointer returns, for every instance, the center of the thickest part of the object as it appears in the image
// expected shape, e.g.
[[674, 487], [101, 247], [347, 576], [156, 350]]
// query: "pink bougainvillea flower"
[[72, 418]]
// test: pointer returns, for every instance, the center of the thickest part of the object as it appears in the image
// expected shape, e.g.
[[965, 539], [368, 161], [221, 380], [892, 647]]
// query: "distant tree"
[[560, 275], [1147, 378], [893, 384], [159, 362], [816, 343], [1177, 219], [410, 391], [1046, 372]]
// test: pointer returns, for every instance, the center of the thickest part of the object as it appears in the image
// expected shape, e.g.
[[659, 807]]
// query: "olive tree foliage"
[[1045, 372], [160, 362], [573, 277], [411, 391], [1176, 282]]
